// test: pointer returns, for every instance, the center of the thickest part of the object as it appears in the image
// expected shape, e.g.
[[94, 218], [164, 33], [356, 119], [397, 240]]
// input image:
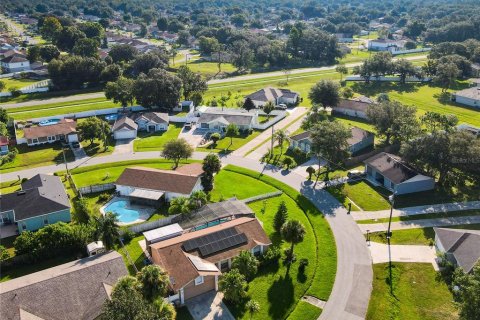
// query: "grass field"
[[154, 141], [36, 156], [362, 194], [305, 311], [11, 83], [225, 145], [416, 293]]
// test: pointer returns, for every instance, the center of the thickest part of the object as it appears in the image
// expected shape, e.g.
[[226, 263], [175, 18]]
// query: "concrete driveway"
[[123, 147], [403, 253], [209, 306], [193, 136]]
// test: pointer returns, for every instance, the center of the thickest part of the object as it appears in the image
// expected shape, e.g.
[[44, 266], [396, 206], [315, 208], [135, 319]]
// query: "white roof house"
[[469, 97], [163, 233]]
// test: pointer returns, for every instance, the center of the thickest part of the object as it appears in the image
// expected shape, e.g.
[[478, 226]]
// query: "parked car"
[[282, 106], [76, 145], [355, 174], [188, 125]]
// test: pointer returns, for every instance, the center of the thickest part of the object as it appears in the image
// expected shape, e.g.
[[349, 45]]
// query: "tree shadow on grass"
[[281, 297], [375, 88]]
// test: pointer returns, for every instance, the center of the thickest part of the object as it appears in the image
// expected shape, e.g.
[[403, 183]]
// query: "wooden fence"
[[96, 188]]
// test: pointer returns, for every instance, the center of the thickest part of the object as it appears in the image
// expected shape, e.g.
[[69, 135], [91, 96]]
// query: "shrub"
[[103, 197], [302, 265], [271, 256], [246, 264], [127, 236], [290, 257]]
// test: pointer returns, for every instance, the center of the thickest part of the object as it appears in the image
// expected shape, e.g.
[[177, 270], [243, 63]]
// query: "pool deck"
[[144, 211]]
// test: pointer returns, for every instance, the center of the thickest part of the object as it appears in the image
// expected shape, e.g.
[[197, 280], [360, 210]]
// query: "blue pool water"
[[111, 117], [48, 122], [122, 208]]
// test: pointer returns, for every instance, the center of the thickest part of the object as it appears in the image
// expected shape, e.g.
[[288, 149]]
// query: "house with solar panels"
[[195, 260]]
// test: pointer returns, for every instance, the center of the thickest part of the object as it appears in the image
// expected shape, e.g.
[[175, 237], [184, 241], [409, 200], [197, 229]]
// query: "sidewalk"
[[266, 134], [410, 211], [402, 253], [415, 224]]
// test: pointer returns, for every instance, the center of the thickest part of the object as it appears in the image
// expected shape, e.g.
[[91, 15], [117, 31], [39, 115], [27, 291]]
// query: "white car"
[[355, 174], [282, 106]]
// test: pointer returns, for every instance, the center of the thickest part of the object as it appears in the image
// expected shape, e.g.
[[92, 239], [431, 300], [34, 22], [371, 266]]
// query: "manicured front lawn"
[[361, 193], [417, 293], [155, 141], [36, 156], [277, 157], [305, 311], [420, 236], [228, 145], [321, 284]]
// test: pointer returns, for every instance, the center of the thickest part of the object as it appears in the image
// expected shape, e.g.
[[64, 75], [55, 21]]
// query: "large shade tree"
[[325, 93], [158, 89], [176, 150]]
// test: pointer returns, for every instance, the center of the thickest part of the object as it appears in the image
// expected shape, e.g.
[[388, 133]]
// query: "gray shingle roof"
[[391, 167], [40, 195], [463, 244], [155, 117], [71, 291], [271, 94], [124, 122], [230, 115], [471, 93]]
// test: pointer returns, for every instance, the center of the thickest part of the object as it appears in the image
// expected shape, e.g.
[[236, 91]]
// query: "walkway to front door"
[[208, 306]]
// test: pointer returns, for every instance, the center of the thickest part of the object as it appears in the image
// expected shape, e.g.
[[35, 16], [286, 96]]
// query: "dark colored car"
[[76, 145]]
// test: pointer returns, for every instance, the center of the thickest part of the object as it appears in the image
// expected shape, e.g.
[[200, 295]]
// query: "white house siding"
[[415, 186], [17, 66], [468, 101], [351, 113], [365, 143], [288, 100], [127, 190], [146, 126]]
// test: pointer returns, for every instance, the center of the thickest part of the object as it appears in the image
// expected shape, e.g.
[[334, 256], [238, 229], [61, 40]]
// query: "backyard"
[[154, 141], [416, 292]]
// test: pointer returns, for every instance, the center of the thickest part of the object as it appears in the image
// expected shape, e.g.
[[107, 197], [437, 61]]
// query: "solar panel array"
[[215, 242], [223, 244]]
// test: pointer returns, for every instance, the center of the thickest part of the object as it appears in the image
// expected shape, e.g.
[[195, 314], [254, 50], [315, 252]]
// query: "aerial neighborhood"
[[282, 160]]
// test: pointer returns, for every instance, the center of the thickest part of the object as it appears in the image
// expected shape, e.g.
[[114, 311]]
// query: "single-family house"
[[360, 140], [353, 107], [124, 128], [386, 45], [219, 118], [473, 130], [147, 185], [391, 172], [195, 260], [469, 97], [64, 131], [344, 37], [184, 105], [277, 96], [460, 246], [15, 63], [151, 121], [41, 201], [71, 291], [3, 145]]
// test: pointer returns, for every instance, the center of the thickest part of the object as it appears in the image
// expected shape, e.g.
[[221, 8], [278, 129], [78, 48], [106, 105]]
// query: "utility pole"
[[65, 160], [271, 148]]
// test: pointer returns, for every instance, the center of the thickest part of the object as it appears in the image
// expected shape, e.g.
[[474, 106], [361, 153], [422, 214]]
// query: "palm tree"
[[198, 199], [107, 229], [268, 108], [231, 131], [281, 136], [165, 310], [253, 307], [153, 281], [293, 231], [180, 205]]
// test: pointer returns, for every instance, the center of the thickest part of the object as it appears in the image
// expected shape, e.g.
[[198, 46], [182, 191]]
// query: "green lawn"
[[418, 293], [36, 156], [229, 145], [275, 290], [361, 193], [451, 214], [277, 157], [420, 236], [305, 311], [9, 186], [155, 141], [135, 252], [11, 83]]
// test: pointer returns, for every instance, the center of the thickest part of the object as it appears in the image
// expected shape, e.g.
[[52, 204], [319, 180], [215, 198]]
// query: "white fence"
[[396, 53], [263, 196], [153, 224], [86, 114], [28, 90]]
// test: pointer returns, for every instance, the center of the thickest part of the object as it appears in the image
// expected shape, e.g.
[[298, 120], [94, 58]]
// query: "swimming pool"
[[49, 122], [111, 117], [125, 213]]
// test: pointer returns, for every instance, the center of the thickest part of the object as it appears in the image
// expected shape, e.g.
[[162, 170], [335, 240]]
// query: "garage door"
[[125, 134]]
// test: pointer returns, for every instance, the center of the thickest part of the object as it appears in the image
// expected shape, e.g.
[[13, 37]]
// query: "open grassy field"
[[154, 141], [11, 83], [36, 156], [416, 293]]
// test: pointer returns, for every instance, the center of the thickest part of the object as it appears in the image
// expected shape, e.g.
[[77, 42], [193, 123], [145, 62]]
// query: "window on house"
[[198, 280], [256, 251], [24, 226], [224, 265], [45, 221]]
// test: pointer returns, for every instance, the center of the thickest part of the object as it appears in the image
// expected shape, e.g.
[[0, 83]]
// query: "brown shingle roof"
[[352, 105], [358, 135], [65, 126], [179, 181], [170, 255], [155, 117]]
